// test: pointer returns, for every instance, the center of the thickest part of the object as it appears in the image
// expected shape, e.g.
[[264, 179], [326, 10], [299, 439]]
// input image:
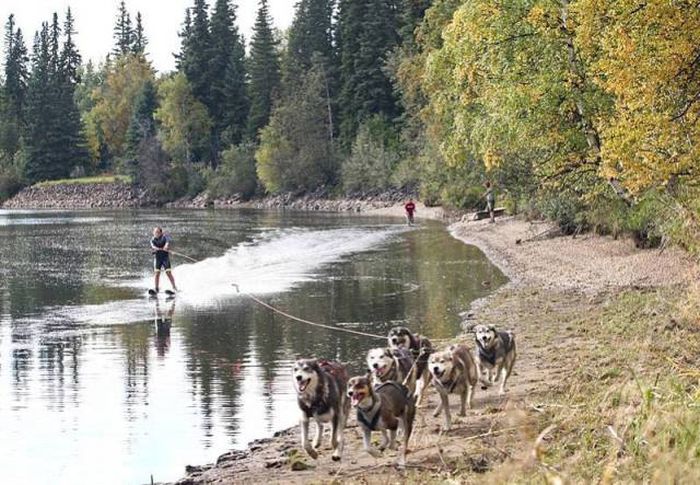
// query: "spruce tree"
[[142, 124], [181, 58], [68, 120], [123, 32], [14, 91], [39, 137], [412, 15], [264, 71], [140, 41], [194, 62], [228, 102], [368, 32]]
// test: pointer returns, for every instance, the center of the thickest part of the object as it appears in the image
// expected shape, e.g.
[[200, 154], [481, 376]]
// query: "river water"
[[92, 392]]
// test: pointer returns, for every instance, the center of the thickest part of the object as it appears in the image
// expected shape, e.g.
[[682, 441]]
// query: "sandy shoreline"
[[552, 282]]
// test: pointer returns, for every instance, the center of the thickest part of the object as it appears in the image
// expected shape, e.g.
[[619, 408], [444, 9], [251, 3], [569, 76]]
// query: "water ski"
[[168, 293]]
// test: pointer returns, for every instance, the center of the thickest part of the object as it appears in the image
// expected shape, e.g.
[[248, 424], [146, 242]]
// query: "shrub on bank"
[[236, 175]]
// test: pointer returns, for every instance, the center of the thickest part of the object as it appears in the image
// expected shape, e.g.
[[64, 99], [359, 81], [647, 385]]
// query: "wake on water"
[[274, 262]]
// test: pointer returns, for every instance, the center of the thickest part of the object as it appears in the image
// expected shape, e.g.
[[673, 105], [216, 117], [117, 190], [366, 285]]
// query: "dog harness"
[[371, 423]]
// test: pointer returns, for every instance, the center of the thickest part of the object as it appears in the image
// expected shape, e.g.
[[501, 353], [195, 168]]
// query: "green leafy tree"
[[296, 150], [264, 71], [373, 158], [109, 119], [185, 125], [236, 175]]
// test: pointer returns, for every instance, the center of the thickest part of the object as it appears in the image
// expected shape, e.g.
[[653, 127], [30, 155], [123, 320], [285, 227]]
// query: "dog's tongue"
[[302, 386], [356, 398]]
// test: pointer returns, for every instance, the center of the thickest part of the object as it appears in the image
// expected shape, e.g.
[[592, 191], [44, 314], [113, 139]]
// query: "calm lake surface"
[[91, 392]]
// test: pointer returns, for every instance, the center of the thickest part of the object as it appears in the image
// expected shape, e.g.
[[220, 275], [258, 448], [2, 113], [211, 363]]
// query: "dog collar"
[[370, 423]]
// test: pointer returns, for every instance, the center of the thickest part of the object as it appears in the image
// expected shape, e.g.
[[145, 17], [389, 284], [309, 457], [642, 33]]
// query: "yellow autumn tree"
[[108, 121], [647, 56]]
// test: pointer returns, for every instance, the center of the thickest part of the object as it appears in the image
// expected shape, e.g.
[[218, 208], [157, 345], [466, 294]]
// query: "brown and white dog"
[[421, 348], [320, 386], [395, 365], [385, 408], [495, 355], [454, 372]]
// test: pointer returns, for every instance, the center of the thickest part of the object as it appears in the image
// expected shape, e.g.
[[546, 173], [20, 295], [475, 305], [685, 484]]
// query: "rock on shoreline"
[[79, 196]]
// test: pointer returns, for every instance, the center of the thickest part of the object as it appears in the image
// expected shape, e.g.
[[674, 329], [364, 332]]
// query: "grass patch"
[[99, 179], [630, 410]]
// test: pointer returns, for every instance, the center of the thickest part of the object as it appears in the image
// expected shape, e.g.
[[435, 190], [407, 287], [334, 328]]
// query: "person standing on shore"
[[410, 208], [160, 246], [490, 197]]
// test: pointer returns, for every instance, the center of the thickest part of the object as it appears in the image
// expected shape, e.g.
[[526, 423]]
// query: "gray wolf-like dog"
[[387, 364], [320, 386], [495, 355]]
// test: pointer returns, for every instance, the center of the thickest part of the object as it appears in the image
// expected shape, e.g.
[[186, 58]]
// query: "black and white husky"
[[320, 386], [495, 355], [420, 348]]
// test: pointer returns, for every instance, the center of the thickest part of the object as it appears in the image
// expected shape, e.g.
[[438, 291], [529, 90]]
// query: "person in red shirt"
[[410, 208]]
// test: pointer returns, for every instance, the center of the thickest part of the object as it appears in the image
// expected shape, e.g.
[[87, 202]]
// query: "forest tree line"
[[584, 111]]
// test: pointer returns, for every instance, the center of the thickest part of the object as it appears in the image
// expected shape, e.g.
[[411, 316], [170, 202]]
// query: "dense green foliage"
[[585, 111]]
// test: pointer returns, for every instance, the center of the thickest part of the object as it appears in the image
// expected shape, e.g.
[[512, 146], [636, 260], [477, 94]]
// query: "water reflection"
[[187, 381]]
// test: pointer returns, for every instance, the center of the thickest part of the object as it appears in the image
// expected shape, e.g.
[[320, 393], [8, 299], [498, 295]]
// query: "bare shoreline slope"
[[554, 282]]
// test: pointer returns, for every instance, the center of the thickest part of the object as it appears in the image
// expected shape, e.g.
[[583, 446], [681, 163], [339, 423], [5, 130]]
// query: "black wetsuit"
[[162, 258]]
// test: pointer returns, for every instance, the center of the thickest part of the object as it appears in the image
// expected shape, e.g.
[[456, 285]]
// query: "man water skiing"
[[160, 246], [410, 208]]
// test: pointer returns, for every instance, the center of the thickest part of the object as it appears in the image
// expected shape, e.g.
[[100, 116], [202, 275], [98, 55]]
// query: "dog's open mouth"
[[302, 385], [438, 373], [357, 398], [381, 370]]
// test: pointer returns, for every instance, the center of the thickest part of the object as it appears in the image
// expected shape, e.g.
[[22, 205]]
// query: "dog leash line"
[[315, 324]]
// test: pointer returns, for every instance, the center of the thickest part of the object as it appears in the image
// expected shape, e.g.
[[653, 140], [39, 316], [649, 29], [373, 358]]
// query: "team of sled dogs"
[[398, 376]]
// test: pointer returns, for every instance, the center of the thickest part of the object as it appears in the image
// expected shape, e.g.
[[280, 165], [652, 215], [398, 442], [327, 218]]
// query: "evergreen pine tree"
[[68, 121], [194, 62], [228, 103], [142, 124], [264, 71], [411, 16], [41, 161], [139, 38], [123, 32], [14, 91], [185, 34], [368, 31]]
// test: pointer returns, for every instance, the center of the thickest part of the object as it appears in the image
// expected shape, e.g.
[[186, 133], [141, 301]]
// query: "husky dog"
[[386, 408], [320, 386], [495, 355], [421, 348], [454, 372], [394, 365]]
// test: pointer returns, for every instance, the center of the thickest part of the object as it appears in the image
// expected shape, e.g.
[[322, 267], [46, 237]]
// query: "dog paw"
[[436, 413], [312, 453], [335, 458]]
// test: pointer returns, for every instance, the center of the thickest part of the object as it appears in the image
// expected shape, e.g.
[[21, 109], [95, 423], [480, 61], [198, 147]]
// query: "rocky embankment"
[[78, 196], [315, 201], [123, 195]]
